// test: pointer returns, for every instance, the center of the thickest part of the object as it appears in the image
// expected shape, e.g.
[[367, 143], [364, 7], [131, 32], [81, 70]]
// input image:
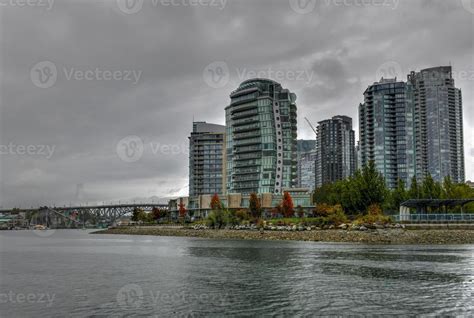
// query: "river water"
[[71, 273]]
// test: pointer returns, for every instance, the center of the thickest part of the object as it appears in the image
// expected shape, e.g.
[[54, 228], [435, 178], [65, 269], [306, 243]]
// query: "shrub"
[[242, 215], [322, 210], [219, 218], [374, 215]]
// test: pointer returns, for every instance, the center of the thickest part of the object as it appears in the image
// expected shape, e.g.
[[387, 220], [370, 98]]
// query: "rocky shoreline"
[[370, 236]]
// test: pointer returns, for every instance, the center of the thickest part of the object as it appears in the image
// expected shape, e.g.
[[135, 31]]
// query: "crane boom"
[[311, 125]]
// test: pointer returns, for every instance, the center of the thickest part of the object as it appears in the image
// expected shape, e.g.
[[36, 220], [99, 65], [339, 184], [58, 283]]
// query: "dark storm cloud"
[[338, 48]]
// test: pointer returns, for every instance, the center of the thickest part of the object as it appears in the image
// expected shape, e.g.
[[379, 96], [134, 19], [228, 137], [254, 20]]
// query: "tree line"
[[367, 187]]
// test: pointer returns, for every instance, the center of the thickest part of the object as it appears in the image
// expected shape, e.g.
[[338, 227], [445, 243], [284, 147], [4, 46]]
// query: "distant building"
[[386, 130], [306, 164], [413, 128], [335, 149], [438, 124], [261, 138], [470, 184], [206, 159], [199, 206]]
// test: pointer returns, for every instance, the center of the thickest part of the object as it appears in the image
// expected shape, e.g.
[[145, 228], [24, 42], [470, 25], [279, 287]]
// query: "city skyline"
[[78, 126]]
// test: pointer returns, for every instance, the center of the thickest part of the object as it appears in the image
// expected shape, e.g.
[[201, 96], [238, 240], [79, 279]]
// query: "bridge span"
[[78, 215]]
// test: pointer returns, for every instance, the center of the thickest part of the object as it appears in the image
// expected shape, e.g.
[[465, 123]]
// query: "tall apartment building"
[[336, 156], [413, 128], [438, 124], [261, 138], [206, 159], [386, 126], [306, 164]]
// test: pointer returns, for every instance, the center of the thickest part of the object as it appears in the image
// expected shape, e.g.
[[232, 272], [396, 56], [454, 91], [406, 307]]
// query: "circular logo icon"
[[44, 74], [468, 5], [43, 232], [302, 6], [130, 149], [389, 69], [130, 6], [130, 296], [216, 74]]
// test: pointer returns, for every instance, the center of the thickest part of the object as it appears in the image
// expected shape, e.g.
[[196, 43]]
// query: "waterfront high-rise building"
[[261, 138], [386, 130], [206, 159], [438, 124], [306, 164], [413, 128], [335, 147]]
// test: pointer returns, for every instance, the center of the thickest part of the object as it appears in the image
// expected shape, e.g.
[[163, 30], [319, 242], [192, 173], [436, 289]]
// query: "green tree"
[[414, 192], [430, 188], [399, 195], [449, 188], [367, 188], [254, 206], [136, 214]]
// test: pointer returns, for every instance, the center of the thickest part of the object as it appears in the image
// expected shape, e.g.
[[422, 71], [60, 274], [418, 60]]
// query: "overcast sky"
[[98, 97]]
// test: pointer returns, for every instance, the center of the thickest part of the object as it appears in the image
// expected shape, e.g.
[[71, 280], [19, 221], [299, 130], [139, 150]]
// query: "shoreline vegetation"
[[392, 235], [350, 211]]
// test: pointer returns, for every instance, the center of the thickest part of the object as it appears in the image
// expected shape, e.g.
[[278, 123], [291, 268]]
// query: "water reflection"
[[137, 276]]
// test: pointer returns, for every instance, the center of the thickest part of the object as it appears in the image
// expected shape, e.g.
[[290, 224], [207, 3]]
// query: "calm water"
[[75, 274]]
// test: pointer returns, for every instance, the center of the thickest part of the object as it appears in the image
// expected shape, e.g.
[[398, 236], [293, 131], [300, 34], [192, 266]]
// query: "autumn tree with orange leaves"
[[216, 202], [182, 210], [287, 205]]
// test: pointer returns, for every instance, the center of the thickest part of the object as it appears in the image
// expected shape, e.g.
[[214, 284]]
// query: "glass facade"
[[439, 124], [335, 148], [413, 128], [306, 164], [261, 138], [206, 153], [386, 130]]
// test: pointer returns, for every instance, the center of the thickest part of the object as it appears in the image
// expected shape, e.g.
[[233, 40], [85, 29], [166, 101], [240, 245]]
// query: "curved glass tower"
[[261, 138]]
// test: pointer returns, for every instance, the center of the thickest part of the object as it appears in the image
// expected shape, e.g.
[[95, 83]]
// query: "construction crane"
[[311, 125]]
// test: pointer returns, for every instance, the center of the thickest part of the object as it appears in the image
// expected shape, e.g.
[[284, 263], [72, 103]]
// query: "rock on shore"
[[369, 236]]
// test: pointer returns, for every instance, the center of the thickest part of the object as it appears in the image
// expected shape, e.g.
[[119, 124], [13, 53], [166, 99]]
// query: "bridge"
[[78, 215]]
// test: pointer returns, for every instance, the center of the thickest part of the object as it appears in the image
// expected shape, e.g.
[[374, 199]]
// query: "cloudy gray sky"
[[84, 84]]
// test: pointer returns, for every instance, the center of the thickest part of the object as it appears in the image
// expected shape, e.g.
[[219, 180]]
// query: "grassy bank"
[[380, 236]]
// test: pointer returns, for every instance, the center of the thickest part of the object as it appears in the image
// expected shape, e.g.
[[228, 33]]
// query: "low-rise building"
[[199, 206]]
